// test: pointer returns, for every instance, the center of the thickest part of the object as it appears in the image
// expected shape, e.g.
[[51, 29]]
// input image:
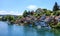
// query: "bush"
[[58, 25]]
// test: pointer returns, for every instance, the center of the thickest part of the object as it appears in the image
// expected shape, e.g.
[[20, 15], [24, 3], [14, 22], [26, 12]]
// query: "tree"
[[9, 18], [32, 12], [39, 10], [28, 13], [19, 17], [56, 7], [25, 13], [48, 13], [45, 10], [57, 13]]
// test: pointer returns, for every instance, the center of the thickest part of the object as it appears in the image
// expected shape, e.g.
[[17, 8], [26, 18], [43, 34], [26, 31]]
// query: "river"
[[16, 30]]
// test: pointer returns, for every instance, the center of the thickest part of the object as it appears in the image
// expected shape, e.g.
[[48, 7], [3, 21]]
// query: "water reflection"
[[14, 30], [3, 29], [29, 31], [56, 32], [42, 32], [10, 29]]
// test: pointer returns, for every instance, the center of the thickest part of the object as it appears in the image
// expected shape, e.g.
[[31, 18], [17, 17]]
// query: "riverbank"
[[40, 17]]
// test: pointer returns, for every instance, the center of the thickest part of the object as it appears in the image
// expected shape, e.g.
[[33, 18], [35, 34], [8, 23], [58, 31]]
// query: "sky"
[[16, 7]]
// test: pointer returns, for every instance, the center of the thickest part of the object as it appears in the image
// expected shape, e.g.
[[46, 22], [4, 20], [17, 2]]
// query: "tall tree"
[[25, 13], [32, 12], [56, 7]]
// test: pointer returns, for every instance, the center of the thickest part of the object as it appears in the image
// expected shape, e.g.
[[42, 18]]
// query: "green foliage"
[[39, 10], [25, 13], [48, 13], [55, 26], [58, 25], [57, 13], [44, 10], [19, 17], [0, 18], [56, 7], [9, 18], [32, 12]]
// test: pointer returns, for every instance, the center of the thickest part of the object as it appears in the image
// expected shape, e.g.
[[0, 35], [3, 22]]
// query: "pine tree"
[[56, 7], [25, 13]]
